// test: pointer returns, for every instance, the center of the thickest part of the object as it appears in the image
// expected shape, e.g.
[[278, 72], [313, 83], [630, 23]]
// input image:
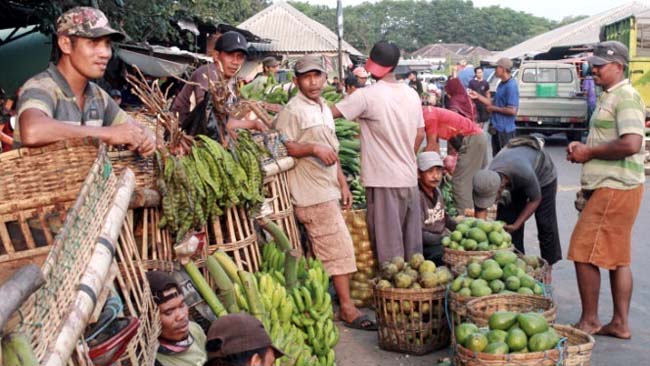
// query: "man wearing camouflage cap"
[[62, 102]]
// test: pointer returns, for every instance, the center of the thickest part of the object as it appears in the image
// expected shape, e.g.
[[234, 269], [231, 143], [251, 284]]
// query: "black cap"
[[160, 282], [608, 52], [231, 42], [352, 80], [237, 333], [384, 56]]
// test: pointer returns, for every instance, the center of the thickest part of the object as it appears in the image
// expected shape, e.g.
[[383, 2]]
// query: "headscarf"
[[459, 101]]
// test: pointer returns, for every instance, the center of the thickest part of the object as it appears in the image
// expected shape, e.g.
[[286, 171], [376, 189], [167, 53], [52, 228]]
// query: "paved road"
[[359, 348]]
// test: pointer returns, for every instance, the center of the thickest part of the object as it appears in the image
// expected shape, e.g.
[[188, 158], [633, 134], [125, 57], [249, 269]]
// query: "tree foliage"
[[412, 24], [152, 20]]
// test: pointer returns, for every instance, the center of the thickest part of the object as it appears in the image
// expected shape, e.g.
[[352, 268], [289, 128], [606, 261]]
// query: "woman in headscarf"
[[458, 100]]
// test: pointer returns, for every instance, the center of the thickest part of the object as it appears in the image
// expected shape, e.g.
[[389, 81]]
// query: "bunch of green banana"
[[17, 351], [347, 133], [273, 262], [314, 314], [448, 196]]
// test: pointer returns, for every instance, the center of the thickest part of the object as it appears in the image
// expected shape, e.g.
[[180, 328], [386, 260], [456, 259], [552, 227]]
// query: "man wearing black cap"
[[240, 340], [392, 129], [181, 341], [613, 182], [231, 51], [62, 102]]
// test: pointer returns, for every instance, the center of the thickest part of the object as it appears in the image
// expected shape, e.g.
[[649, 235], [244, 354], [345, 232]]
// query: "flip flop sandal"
[[362, 322]]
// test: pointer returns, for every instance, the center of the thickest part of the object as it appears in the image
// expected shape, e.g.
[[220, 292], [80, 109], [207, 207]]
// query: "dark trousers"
[[500, 140], [546, 218], [432, 247]]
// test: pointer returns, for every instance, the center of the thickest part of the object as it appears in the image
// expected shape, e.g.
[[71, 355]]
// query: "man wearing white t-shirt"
[[392, 129]]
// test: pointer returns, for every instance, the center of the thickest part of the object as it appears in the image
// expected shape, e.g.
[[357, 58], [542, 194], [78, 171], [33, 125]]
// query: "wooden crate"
[[234, 233]]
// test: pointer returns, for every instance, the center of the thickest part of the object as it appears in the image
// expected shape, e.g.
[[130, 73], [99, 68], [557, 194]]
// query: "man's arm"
[[432, 143], [510, 111], [335, 112], [346, 195], [418, 139], [525, 214], [624, 146], [302, 150], [37, 129], [482, 99]]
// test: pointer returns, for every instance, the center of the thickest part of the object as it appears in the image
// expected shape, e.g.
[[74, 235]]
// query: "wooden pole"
[[92, 280]]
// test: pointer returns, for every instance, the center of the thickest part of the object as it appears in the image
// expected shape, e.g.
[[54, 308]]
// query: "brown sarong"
[[329, 236], [603, 233]]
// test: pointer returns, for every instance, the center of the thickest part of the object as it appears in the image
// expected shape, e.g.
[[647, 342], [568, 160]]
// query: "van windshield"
[[547, 75]]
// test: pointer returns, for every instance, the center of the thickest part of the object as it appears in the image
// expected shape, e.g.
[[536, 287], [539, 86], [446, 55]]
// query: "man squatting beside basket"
[[613, 181], [181, 341], [62, 102], [392, 130], [317, 182]]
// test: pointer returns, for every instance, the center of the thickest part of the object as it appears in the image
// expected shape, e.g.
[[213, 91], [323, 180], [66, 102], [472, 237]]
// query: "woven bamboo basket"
[[37, 187], [142, 167], [411, 321], [575, 352], [277, 189], [133, 287], [453, 258], [457, 305], [273, 142], [480, 309], [234, 233], [45, 313], [155, 245]]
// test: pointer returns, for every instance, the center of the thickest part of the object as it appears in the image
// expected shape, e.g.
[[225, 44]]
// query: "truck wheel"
[[574, 136]]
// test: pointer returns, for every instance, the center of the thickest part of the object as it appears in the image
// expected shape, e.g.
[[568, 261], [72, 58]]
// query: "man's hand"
[[577, 152], [326, 154], [490, 108], [472, 94], [133, 135], [346, 197], [271, 107], [511, 227]]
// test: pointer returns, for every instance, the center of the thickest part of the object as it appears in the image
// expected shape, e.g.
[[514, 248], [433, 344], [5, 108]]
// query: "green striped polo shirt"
[[619, 111], [50, 93]]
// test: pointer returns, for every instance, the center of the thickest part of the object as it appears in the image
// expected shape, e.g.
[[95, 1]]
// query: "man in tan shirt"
[[317, 182]]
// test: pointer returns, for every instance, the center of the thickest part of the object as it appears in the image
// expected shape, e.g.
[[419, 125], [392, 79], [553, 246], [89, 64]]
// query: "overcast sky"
[[552, 9]]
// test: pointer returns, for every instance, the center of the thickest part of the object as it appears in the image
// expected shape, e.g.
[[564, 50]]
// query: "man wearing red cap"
[[392, 129]]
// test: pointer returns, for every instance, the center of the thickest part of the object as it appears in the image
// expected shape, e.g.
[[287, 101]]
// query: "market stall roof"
[[291, 31], [582, 32]]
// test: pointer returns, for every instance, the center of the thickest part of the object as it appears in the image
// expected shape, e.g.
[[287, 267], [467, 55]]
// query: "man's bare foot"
[[615, 330], [588, 327]]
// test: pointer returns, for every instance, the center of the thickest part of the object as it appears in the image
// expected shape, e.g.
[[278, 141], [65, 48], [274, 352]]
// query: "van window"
[[547, 75]]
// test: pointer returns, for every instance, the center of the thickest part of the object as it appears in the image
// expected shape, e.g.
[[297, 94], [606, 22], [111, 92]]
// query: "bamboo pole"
[[93, 278]]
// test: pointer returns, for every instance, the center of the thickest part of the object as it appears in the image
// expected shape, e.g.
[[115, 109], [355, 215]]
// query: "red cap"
[[384, 56]]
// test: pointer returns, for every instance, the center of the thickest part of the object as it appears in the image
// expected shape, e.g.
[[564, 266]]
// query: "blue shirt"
[[507, 95], [466, 75]]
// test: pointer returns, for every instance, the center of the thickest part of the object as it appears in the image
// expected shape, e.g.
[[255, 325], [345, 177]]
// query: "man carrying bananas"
[[317, 182]]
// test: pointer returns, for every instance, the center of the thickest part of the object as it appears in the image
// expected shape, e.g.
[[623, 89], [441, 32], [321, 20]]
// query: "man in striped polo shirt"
[[613, 182], [62, 102]]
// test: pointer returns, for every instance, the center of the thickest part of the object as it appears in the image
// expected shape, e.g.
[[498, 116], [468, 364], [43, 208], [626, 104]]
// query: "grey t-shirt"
[[527, 168]]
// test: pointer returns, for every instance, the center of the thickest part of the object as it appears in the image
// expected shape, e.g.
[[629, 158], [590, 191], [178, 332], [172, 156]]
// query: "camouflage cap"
[[86, 22]]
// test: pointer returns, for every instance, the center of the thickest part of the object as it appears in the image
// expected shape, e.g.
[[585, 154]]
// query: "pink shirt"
[[447, 124], [390, 115]]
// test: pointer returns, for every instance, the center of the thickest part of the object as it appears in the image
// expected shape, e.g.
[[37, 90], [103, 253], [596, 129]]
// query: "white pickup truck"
[[551, 100]]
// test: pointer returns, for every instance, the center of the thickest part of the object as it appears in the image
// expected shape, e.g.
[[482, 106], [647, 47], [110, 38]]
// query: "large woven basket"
[[37, 187], [142, 167], [575, 352], [453, 258], [276, 188], [411, 321], [234, 233], [480, 309]]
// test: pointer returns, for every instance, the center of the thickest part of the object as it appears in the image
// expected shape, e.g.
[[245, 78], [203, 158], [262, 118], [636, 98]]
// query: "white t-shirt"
[[389, 115]]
